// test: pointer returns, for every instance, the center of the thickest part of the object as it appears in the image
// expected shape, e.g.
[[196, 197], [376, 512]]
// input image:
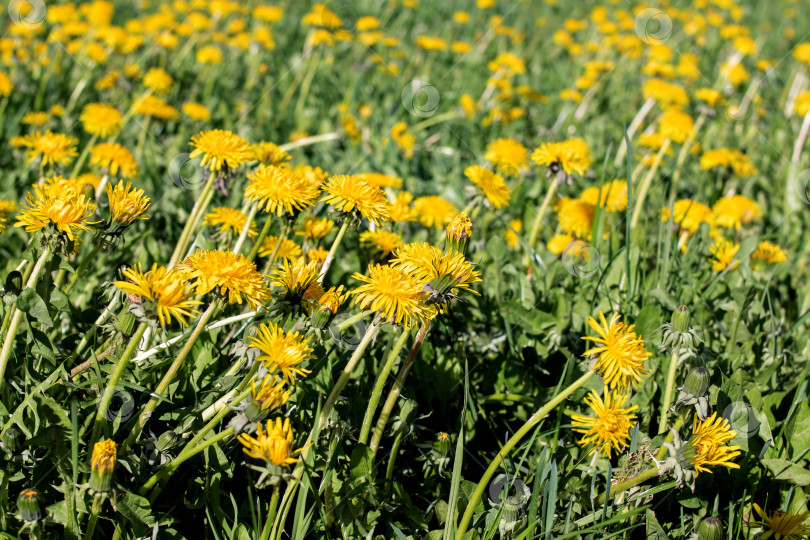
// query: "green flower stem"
[[271, 513], [120, 366], [340, 385], [640, 478], [331, 256], [668, 390], [510, 444], [662, 451], [143, 418], [325, 137], [632, 128], [389, 471], [246, 229], [393, 394], [91, 522], [16, 316], [538, 219], [374, 400], [191, 223], [259, 239], [646, 182], [83, 157], [81, 268]]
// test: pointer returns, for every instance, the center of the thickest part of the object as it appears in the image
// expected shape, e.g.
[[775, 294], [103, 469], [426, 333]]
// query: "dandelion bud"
[[28, 505], [166, 441], [442, 444], [102, 465], [680, 319], [125, 322], [697, 382], [458, 233], [328, 306], [12, 441], [711, 528], [513, 519], [266, 397]]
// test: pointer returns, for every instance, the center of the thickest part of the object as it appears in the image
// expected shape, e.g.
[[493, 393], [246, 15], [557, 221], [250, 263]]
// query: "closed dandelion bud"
[[12, 441], [328, 306], [102, 466], [513, 519], [442, 444], [711, 528], [166, 441], [680, 319], [697, 382], [28, 505], [126, 322], [458, 233]]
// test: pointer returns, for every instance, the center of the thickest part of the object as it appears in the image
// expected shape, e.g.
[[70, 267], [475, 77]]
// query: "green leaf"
[[136, 509], [788, 471], [654, 529], [41, 345], [362, 464], [30, 303], [60, 301], [13, 287], [798, 431]]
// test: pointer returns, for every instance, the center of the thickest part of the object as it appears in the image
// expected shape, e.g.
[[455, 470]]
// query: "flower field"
[[404, 270]]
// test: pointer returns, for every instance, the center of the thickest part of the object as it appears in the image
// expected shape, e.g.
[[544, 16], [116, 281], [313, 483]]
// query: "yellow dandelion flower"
[[675, 125], [352, 193], [723, 253], [608, 429], [317, 255], [314, 175], [402, 209], [220, 147], [665, 93], [279, 190], [611, 195], [115, 159], [332, 299], [126, 203], [35, 119], [102, 465], [196, 111], [316, 228], [381, 241], [511, 237], [282, 351], [273, 445], [492, 185], [53, 148], [571, 156], [270, 153], [734, 211], [709, 439], [230, 273], [158, 80], [728, 159], [575, 217], [67, 212], [559, 242], [434, 211], [166, 291], [229, 220], [101, 119], [769, 253], [270, 394], [508, 156], [621, 354], [395, 294], [688, 214], [155, 107], [299, 279], [382, 180], [426, 263], [710, 96], [287, 250], [782, 525]]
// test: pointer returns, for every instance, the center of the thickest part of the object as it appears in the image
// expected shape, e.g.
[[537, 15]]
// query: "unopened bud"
[[697, 382], [680, 319], [442, 444], [28, 505], [102, 466], [12, 440], [711, 528], [458, 233]]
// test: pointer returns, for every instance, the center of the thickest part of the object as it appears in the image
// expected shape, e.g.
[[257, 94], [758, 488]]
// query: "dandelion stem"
[[271, 513], [646, 182], [83, 157], [393, 394], [257, 244], [538, 219], [120, 366], [629, 483], [667, 401], [16, 316], [244, 234], [331, 256], [81, 268], [632, 128], [510, 444], [143, 418], [374, 400], [191, 223]]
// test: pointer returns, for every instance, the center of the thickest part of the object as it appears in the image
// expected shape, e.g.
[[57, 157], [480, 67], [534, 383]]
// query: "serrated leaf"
[[136, 509], [362, 464], [654, 529]]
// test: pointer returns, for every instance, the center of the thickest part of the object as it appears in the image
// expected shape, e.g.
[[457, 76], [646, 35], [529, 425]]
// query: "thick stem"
[[259, 239], [143, 418], [120, 366], [629, 483], [271, 513], [331, 256], [198, 209], [245, 230], [667, 402], [374, 400], [16, 316], [510, 444], [399, 383], [647, 182], [538, 219]]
